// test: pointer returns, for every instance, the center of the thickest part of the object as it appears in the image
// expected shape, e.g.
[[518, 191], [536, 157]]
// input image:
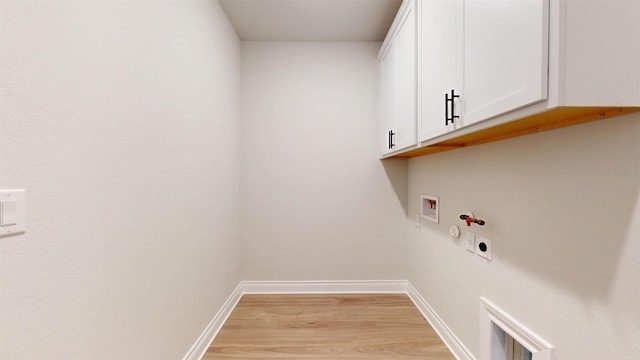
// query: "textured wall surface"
[[316, 203], [563, 213], [119, 119], [154, 185]]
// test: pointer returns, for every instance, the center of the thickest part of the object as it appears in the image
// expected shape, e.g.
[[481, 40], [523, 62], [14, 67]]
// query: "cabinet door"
[[439, 59], [505, 56], [387, 98], [405, 43]]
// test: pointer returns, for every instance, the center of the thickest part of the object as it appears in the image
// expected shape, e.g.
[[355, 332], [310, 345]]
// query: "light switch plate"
[[470, 239], [12, 212], [8, 212]]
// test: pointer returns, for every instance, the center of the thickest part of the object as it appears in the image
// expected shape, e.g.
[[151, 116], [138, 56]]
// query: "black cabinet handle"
[[391, 144], [449, 101]]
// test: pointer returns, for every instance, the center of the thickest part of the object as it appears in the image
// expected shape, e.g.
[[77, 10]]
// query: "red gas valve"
[[470, 220]]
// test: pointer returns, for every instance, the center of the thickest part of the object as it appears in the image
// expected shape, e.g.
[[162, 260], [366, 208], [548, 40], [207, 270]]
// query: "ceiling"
[[311, 20]]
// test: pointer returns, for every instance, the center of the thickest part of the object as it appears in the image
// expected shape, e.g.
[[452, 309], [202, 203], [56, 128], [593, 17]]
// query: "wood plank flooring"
[[367, 326]]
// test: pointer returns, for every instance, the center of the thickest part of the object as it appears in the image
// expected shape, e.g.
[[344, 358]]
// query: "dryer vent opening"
[[504, 338]]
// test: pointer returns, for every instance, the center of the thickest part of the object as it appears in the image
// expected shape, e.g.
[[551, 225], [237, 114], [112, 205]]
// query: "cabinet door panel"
[[438, 59], [505, 56], [387, 97], [406, 87]]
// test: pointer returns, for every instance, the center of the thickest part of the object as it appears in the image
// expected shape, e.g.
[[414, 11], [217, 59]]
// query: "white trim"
[[447, 336], [324, 287], [201, 345], [491, 315]]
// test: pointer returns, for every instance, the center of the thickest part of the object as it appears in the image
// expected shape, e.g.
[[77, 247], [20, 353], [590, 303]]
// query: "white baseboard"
[[324, 287], [456, 347], [198, 349], [454, 344]]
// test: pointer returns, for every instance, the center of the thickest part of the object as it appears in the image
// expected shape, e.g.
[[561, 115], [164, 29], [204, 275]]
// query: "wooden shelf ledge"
[[548, 120]]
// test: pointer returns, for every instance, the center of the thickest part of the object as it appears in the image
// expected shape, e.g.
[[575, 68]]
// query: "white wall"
[[121, 120], [316, 203], [563, 211]]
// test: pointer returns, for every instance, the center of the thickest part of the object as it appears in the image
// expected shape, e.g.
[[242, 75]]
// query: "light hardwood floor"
[[367, 326]]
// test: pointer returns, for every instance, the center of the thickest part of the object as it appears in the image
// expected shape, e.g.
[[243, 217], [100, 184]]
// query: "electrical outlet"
[[470, 239], [483, 247]]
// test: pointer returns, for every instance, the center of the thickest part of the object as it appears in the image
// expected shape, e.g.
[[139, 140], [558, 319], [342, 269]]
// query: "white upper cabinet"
[[439, 57], [493, 69], [479, 59], [595, 53], [505, 56], [398, 82]]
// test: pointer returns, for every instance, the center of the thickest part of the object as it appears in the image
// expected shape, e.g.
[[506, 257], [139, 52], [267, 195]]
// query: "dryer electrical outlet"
[[483, 247]]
